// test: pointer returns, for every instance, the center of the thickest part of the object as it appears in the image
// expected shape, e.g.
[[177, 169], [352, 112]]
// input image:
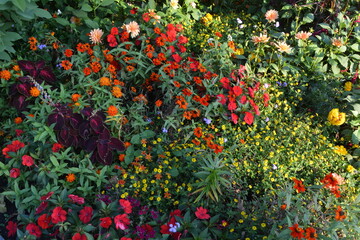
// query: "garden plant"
[[179, 119]]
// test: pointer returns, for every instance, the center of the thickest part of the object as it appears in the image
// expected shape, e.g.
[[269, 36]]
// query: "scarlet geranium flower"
[[339, 214], [296, 231], [76, 199], [58, 215], [121, 221], [105, 222], [310, 233], [44, 221], [299, 186], [201, 213], [14, 172], [79, 236], [86, 214], [126, 205], [12, 228], [33, 229], [27, 160]]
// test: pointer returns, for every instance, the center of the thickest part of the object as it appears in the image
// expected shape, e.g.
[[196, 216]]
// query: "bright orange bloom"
[[158, 103], [121, 157], [130, 68], [339, 214], [198, 132], [299, 186], [16, 68], [95, 67], [55, 45], [310, 233], [157, 30], [187, 115], [283, 207], [87, 71], [75, 97], [67, 65], [158, 176], [127, 144], [5, 74], [34, 92], [18, 120], [140, 98], [70, 177], [116, 92], [68, 52], [32, 41], [112, 110], [296, 231], [105, 81], [196, 142]]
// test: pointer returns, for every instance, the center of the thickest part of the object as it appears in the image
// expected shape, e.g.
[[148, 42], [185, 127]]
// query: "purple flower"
[[164, 130], [207, 121], [41, 46], [154, 214]]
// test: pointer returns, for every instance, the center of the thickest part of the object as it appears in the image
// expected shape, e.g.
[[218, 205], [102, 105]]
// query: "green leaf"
[[356, 136], [21, 4], [135, 139], [4, 56], [335, 68], [86, 7], [343, 61], [147, 134], [106, 2], [355, 56], [174, 172], [28, 199], [308, 18], [91, 23], [54, 161], [355, 47], [11, 36], [62, 21], [325, 26], [42, 13]]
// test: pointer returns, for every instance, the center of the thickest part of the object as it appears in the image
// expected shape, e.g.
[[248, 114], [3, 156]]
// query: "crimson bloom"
[[56, 147], [44, 221], [33, 229], [78, 236], [76, 199], [121, 221], [42, 207], [126, 205], [14, 172], [296, 231], [105, 222], [86, 214], [12, 228], [27, 160], [201, 213], [47, 196], [58, 215]]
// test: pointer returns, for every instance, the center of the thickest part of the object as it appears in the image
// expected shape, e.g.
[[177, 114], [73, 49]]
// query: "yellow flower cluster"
[[336, 117]]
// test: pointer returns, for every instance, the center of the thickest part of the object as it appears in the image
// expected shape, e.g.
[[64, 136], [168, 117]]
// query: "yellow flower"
[[335, 117], [348, 86], [340, 150], [350, 168], [207, 18]]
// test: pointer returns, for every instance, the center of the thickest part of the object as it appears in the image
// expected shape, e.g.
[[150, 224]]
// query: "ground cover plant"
[[180, 119]]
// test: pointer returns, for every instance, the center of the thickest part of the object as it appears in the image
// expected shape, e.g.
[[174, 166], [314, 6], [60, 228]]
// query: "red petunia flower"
[[126, 205], [201, 213], [86, 214], [27, 160], [44, 221], [105, 222], [296, 231], [121, 221], [12, 228], [58, 215], [33, 229]]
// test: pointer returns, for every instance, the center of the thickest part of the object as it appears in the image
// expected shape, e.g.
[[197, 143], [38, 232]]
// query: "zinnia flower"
[[271, 15], [112, 110], [339, 214], [95, 35], [296, 231], [201, 213], [283, 47], [263, 38], [299, 186], [133, 28], [337, 42], [310, 234], [302, 35], [335, 117]]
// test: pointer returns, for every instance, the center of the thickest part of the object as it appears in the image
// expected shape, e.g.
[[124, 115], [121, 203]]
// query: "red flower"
[[114, 31], [164, 229], [86, 214], [125, 238], [44, 221], [296, 231], [225, 83], [121, 221], [339, 214], [56, 147], [232, 106], [126, 205], [176, 57], [18, 132], [201, 213], [78, 236], [234, 118], [310, 234], [176, 212], [58, 215], [42, 207], [221, 98], [12, 228], [14, 172], [47, 196], [76, 199], [133, 10], [105, 222], [237, 90], [299, 186], [27, 160], [33, 229], [249, 118]]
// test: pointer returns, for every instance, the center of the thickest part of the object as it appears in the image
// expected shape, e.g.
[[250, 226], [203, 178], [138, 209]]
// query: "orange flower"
[[116, 92], [296, 231], [105, 81], [310, 234], [187, 115], [198, 132], [337, 42], [158, 103], [95, 67], [157, 30], [18, 120], [55, 45], [75, 97], [34, 92], [271, 15], [67, 65], [302, 35], [68, 52], [32, 41], [260, 39], [16, 68], [196, 142], [87, 71], [121, 157], [112, 110], [339, 214], [33, 47], [130, 68], [299, 186], [5, 74], [283, 207], [70, 177], [177, 84]]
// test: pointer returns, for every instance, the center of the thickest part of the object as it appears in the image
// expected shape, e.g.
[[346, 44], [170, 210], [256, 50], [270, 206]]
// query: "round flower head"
[[174, 4], [337, 42], [336, 117], [271, 15], [95, 35], [263, 38], [133, 28], [302, 35], [283, 47]]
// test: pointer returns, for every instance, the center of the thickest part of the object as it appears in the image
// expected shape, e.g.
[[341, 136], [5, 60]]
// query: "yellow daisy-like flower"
[[335, 117], [340, 150]]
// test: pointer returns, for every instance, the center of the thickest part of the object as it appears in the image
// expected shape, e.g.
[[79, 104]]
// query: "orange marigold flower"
[[112, 110], [75, 97], [87, 71], [339, 214], [296, 231], [5, 74], [67, 65], [95, 67], [130, 68], [310, 234], [105, 81], [55, 45], [121, 157], [198, 132], [116, 92], [16, 68], [299, 186], [18, 120], [68, 52], [34, 92], [158, 103], [70, 177]]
